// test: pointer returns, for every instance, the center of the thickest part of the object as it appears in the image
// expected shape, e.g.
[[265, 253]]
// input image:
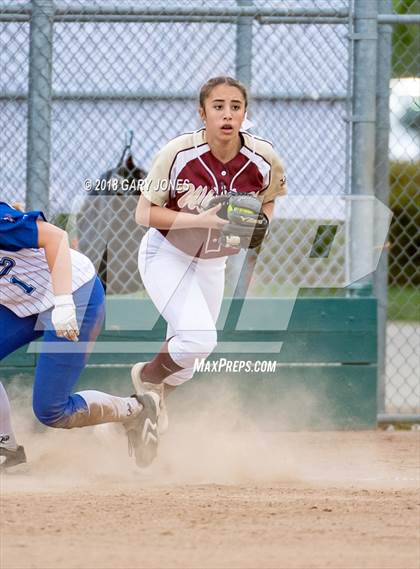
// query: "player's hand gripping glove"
[[222, 200], [247, 223], [63, 317]]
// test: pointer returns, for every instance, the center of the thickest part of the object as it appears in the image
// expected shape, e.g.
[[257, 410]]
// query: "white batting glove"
[[63, 317]]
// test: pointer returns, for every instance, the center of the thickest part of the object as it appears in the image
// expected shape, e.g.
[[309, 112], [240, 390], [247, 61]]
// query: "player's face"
[[224, 112]]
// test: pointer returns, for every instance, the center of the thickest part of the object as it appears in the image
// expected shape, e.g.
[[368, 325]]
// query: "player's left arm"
[[277, 185], [268, 209]]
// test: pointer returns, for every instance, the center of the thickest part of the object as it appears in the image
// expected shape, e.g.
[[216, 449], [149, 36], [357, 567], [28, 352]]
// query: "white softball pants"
[[188, 293]]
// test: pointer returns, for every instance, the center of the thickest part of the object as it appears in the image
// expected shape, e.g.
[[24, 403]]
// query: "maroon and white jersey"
[[185, 175]]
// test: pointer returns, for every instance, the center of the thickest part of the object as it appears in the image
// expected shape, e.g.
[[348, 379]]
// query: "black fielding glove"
[[247, 223]]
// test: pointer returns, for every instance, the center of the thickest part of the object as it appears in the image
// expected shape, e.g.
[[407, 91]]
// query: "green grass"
[[404, 304]]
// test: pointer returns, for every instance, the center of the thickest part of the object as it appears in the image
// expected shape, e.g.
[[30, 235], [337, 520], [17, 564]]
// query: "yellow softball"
[[241, 210]]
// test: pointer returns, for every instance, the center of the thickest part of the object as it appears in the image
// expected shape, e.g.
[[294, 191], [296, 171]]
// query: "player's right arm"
[[152, 215]]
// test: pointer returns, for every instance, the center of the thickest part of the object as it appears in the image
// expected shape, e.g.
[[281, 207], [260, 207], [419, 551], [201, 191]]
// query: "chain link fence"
[[79, 77], [112, 72], [402, 363]]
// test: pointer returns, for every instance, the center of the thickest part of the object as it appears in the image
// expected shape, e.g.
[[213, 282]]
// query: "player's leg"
[[60, 365], [7, 435], [59, 368], [172, 296], [189, 314], [11, 454], [208, 286], [211, 279], [179, 299], [157, 258], [15, 332]]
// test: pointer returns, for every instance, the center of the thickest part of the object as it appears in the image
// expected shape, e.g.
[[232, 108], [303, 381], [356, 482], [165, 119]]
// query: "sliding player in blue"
[[50, 291]]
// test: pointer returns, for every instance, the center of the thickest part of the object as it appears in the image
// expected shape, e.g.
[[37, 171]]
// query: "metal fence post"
[[245, 262], [39, 105], [244, 46], [384, 71], [363, 138]]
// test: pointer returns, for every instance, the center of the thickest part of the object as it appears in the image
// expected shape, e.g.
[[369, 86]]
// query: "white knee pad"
[[184, 348], [180, 377]]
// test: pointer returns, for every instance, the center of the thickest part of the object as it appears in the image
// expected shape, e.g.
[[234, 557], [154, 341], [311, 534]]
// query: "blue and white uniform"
[[26, 302], [26, 286]]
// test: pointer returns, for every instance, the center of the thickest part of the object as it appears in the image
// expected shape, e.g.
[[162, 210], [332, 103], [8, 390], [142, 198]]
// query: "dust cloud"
[[213, 438]]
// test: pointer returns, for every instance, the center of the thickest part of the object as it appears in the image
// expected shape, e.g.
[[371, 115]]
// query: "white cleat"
[[12, 457], [142, 430], [142, 387]]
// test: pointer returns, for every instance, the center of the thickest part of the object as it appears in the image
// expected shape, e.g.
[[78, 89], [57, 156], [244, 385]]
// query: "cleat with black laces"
[[12, 457], [142, 430], [141, 387]]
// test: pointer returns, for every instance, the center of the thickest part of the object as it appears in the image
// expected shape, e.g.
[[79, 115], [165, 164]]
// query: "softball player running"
[[51, 291], [184, 202]]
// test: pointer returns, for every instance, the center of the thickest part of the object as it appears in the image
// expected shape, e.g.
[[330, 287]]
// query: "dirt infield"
[[223, 500]]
